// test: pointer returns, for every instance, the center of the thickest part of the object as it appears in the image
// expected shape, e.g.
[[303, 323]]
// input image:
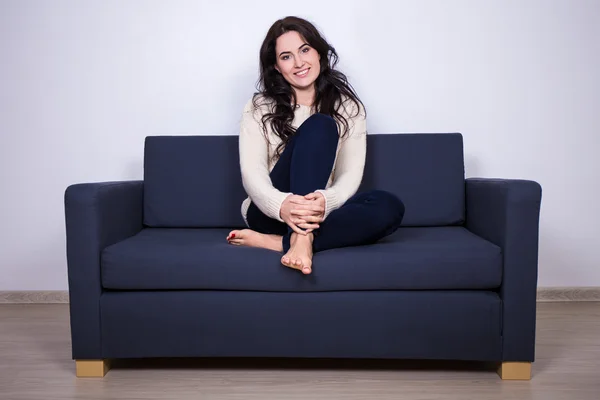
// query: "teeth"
[[302, 73]]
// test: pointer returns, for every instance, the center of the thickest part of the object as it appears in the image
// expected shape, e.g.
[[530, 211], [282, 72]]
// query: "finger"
[[307, 210], [307, 218], [296, 229], [312, 209], [311, 206], [309, 226], [310, 196], [301, 200], [318, 208], [311, 229], [301, 212], [313, 218]]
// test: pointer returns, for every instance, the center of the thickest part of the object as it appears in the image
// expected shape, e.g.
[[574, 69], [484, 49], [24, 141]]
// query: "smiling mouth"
[[302, 73]]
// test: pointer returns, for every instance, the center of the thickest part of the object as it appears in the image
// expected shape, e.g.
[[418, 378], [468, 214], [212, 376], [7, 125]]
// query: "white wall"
[[83, 82]]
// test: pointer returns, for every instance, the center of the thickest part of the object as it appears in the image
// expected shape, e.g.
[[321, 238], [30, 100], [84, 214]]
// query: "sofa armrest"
[[506, 212], [96, 215]]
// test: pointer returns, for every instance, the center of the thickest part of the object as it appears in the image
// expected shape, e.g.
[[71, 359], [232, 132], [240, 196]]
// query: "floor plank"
[[35, 363]]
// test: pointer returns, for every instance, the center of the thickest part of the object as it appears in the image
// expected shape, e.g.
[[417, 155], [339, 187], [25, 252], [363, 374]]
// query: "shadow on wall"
[[472, 166], [556, 260], [134, 169]]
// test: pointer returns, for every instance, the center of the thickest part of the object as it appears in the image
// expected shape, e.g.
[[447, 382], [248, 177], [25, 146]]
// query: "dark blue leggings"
[[304, 167]]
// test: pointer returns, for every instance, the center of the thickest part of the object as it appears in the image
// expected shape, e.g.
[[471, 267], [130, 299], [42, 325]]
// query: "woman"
[[302, 154]]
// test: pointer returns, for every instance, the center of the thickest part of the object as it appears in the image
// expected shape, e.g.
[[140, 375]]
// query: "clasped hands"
[[303, 213]]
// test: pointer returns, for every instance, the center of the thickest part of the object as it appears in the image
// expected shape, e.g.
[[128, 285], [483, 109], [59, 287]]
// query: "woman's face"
[[298, 62]]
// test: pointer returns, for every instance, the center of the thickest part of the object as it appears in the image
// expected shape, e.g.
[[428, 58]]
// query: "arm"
[[349, 166], [506, 212], [97, 215], [254, 166]]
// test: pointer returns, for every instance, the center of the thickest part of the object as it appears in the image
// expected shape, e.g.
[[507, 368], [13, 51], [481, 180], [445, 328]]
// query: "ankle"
[[307, 237]]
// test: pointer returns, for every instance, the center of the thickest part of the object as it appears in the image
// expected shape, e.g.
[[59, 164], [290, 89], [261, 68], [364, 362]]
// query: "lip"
[[303, 76]]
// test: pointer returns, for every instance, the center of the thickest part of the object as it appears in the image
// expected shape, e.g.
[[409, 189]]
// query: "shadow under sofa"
[[151, 274]]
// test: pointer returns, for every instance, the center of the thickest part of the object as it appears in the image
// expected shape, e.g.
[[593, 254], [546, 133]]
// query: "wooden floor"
[[35, 363]]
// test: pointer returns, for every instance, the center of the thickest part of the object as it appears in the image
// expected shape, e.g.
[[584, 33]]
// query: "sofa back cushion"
[[195, 181], [192, 181], [426, 171]]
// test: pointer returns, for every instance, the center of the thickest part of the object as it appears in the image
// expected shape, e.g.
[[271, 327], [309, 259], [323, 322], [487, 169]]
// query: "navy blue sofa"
[[151, 274]]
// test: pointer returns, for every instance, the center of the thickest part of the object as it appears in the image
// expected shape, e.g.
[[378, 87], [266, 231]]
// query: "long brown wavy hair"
[[332, 89]]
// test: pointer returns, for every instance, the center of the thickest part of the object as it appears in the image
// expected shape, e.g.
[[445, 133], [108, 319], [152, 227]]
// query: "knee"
[[390, 204], [319, 125], [322, 119]]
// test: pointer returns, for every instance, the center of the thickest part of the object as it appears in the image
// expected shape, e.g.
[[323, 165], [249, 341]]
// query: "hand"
[[318, 200], [310, 211], [298, 212]]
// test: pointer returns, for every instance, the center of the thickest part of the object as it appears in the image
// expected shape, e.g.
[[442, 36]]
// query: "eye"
[[306, 49], [285, 58]]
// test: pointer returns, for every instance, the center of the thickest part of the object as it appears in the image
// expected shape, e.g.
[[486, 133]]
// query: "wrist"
[[282, 205]]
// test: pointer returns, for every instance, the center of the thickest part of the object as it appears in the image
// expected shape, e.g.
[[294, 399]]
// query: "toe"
[[232, 235]]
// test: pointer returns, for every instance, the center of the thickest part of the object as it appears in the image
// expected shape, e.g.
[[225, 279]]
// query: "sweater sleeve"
[[254, 156], [349, 166]]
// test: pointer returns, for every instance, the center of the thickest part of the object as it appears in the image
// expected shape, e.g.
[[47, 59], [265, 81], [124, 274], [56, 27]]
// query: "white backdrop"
[[82, 82]]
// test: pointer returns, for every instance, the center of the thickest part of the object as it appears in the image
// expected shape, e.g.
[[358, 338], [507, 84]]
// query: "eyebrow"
[[284, 52]]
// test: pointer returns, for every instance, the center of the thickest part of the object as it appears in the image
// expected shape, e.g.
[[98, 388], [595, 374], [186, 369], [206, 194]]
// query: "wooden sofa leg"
[[91, 368], [515, 371]]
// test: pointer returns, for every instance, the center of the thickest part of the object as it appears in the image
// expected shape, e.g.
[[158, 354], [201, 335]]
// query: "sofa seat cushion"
[[412, 258]]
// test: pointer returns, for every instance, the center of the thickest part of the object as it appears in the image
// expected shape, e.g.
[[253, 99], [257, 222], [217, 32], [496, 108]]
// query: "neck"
[[306, 96]]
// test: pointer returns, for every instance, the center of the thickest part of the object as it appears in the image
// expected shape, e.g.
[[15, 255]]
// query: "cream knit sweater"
[[256, 160]]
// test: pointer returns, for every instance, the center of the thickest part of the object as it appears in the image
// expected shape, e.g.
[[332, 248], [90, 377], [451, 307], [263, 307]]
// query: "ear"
[[277, 68]]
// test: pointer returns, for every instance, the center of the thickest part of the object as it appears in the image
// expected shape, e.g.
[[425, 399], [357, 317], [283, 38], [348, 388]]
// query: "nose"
[[298, 62]]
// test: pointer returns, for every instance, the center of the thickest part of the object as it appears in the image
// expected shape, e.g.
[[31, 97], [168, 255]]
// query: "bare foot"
[[300, 254], [250, 238]]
